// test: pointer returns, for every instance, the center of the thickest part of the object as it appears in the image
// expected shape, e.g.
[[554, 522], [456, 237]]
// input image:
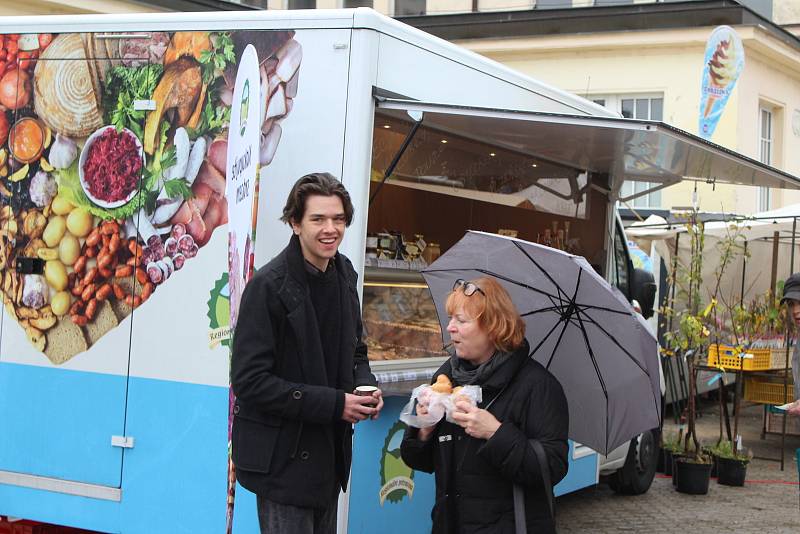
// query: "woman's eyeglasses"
[[469, 287]]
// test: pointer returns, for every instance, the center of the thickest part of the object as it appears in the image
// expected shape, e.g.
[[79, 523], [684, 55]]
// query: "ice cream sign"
[[723, 63]]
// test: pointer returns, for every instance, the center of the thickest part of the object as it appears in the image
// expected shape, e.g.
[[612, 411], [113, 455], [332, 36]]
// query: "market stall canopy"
[[744, 278], [633, 150]]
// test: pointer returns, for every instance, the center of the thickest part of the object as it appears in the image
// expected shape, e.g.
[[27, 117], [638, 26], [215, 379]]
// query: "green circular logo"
[[397, 479], [219, 313], [243, 111]]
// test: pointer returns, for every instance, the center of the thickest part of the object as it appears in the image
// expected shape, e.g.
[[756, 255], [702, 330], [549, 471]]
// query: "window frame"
[[614, 102], [286, 5], [342, 4], [393, 8], [764, 198]]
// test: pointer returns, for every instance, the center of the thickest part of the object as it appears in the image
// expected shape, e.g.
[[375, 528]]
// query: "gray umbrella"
[[579, 327]]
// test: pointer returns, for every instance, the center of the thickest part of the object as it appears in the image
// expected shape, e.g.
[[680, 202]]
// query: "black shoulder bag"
[[519, 494], [520, 522]]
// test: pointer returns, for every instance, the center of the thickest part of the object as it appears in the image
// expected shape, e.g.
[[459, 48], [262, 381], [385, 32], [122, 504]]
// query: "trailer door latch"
[[126, 442]]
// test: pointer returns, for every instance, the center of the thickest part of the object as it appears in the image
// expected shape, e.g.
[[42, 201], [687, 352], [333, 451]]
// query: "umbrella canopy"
[[579, 327]]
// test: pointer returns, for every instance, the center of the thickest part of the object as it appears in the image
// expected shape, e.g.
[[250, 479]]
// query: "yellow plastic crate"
[[778, 358], [767, 390], [724, 357]]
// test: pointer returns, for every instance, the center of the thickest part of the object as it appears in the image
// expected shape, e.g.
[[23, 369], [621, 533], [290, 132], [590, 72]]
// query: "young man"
[[791, 296], [297, 358]]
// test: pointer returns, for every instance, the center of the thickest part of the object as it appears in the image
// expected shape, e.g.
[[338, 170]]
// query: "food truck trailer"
[[114, 341]]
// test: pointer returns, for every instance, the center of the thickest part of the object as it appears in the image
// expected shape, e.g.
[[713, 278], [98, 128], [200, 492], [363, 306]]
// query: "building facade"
[[641, 58], [645, 61]]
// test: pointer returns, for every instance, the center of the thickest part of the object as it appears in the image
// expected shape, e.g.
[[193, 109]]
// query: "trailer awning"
[[634, 150]]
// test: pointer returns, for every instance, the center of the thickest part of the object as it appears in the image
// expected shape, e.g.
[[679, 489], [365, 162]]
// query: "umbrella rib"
[[546, 338], [566, 321], [561, 292], [590, 320], [519, 284], [601, 308], [597, 372], [534, 312], [628, 354], [566, 317], [499, 277]]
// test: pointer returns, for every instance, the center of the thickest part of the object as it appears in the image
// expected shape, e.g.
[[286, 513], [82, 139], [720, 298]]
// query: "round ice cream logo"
[[244, 107], [219, 313], [397, 479]]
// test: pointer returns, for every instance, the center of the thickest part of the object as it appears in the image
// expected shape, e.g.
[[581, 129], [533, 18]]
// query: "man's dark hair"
[[317, 183]]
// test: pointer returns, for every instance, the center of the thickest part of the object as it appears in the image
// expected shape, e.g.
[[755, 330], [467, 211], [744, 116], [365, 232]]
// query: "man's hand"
[[476, 422], [794, 408], [358, 408], [377, 394]]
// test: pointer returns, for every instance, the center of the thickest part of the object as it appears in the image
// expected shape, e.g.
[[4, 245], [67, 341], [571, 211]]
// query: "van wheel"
[[636, 476]]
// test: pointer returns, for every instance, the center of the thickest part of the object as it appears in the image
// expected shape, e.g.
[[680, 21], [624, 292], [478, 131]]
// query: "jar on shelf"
[[431, 252]]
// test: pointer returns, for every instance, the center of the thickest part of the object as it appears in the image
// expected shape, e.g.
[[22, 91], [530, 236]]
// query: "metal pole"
[[786, 357], [396, 159], [774, 277], [670, 370], [744, 273]]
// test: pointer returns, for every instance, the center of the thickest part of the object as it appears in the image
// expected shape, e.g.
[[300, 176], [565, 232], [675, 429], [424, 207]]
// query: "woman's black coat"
[[475, 477]]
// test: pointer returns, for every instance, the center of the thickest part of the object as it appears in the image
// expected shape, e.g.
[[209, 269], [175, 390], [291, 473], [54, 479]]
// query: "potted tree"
[[671, 445], [689, 340], [731, 464]]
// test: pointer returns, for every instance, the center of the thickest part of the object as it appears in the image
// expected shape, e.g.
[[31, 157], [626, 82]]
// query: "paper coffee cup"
[[366, 391]]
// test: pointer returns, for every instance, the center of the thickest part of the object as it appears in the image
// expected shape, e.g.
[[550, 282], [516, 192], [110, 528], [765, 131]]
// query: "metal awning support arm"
[[398, 155], [575, 193], [653, 189]]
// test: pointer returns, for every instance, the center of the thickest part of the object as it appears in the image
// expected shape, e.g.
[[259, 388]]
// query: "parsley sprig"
[[124, 85]]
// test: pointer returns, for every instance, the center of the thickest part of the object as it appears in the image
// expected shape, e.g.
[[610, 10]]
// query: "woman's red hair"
[[494, 311]]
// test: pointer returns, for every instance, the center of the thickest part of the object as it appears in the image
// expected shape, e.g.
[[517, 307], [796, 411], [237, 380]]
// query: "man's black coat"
[[475, 477], [290, 444]]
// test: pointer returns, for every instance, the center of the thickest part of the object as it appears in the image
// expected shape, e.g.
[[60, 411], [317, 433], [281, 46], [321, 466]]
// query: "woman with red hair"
[[479, 459]]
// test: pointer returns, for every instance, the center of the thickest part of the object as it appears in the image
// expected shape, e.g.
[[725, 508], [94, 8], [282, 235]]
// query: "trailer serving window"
[[440, 170]]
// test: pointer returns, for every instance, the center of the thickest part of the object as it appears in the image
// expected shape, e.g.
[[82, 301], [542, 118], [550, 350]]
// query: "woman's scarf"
[[465, 373]]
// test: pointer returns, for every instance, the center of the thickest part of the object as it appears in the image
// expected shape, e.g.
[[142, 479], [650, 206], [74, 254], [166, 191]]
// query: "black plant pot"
[[693, 478], [667, 459], [660, 463], [713, 457], [732, 472], [675, 457]]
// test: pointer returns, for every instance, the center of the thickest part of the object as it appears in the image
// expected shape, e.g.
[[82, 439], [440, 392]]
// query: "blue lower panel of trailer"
[[173, 479], [582, 472], [387, 496]]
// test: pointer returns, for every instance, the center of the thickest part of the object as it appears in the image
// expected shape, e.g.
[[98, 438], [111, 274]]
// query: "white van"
[[114, 345]]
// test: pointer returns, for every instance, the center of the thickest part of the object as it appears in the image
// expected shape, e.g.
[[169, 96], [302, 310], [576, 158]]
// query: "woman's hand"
[[424, 434], [476, 422]]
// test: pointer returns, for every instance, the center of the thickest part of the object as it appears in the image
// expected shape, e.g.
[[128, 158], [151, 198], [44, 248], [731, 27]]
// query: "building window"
[[766, 141], [301, 4], [356, 3], [643, 107], [409, 7]]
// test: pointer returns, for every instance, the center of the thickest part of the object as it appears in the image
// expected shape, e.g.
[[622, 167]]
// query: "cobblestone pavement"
[[768, 503]]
